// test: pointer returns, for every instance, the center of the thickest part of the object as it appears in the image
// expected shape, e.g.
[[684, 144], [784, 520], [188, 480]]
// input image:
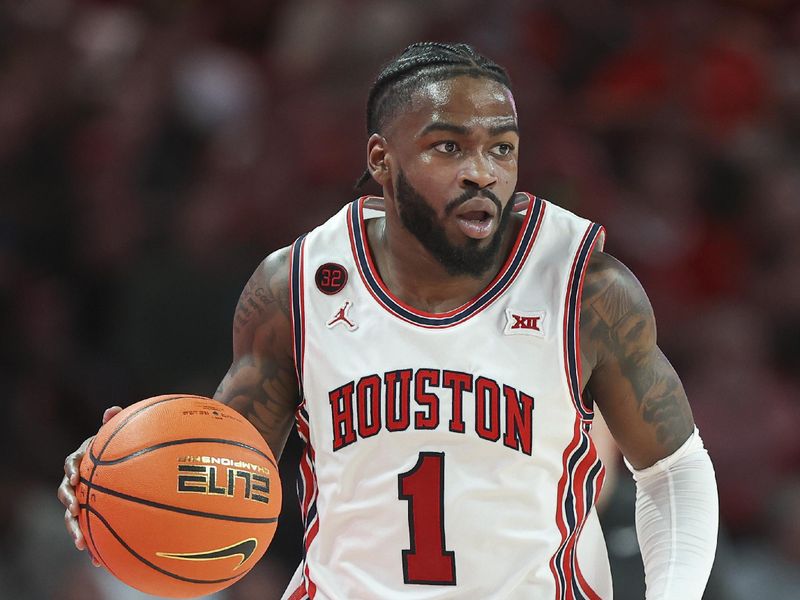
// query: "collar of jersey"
[[369, 274]]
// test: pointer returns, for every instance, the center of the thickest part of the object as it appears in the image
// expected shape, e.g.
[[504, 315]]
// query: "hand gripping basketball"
[[178, 495], [66, 491]]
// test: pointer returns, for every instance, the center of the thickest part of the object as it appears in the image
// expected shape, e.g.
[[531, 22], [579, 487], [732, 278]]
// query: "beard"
[[420, 219]]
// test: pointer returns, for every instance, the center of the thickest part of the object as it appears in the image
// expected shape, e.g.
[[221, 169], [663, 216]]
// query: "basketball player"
[[441, 351]]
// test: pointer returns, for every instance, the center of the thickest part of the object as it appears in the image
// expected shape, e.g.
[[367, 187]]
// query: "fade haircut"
[[417, 65]]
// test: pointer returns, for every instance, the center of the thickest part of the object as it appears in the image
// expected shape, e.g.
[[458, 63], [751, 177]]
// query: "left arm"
[[645, 407], [632, 382]]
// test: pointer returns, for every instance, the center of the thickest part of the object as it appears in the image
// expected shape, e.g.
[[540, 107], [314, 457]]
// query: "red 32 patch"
[[331, 278]]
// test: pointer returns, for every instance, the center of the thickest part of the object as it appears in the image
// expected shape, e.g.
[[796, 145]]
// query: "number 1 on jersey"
[[427, 561]]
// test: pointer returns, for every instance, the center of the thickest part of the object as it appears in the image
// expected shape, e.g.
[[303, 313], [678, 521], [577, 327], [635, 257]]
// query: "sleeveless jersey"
[[446, 455]]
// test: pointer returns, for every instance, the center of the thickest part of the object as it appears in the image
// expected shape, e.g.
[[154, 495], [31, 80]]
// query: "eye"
[[446, 147], [503, 149]]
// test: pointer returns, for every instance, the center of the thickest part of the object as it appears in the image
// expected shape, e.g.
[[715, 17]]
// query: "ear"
[[378, 159]]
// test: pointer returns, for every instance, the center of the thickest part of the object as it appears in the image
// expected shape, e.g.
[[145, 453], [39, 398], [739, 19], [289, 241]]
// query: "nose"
[[477, 171]]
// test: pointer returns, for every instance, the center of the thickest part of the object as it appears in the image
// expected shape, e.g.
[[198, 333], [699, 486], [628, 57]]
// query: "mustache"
[[469, 194]]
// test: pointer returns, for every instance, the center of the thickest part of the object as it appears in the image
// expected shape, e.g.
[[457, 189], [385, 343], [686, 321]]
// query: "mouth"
[[476, 218]]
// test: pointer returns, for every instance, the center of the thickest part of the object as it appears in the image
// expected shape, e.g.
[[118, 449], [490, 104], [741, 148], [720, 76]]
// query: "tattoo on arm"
[[264, 394], [251, 305], [259, 296], [630, 373], [261, 383]]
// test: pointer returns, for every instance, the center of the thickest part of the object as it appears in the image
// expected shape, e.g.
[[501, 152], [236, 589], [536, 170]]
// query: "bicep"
[[633, 383], [646, 409], [261, 383]]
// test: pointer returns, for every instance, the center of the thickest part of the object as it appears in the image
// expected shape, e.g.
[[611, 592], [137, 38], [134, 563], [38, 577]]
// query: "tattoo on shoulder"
[[252, 304], [261, 383], [618, 316], [260, 292], [618, 324]]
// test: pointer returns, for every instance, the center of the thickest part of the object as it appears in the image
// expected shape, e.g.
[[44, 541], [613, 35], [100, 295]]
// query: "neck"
[[417, 278]]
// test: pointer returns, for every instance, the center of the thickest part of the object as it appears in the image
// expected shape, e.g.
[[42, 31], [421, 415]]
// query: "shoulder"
[[616, 314], [264, 304], [609, 280], [636, 388], [273, 272]]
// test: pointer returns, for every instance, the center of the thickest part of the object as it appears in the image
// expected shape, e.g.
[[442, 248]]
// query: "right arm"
[[261, 383]]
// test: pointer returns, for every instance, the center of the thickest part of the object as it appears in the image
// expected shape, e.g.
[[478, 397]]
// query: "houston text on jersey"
[[406, 398]]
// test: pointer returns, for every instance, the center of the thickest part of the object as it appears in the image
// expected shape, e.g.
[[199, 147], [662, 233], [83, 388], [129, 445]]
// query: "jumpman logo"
[[342, 316]]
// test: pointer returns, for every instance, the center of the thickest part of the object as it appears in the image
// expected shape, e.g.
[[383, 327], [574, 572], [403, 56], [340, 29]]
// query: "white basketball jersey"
[[447, 455]]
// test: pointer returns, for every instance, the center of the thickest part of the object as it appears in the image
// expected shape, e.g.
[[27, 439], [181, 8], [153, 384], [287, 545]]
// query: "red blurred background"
[[153, 152]]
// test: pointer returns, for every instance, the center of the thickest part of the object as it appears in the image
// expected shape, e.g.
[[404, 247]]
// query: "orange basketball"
[[179, 496]]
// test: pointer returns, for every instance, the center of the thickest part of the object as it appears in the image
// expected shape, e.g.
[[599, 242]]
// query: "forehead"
[[464, 100]]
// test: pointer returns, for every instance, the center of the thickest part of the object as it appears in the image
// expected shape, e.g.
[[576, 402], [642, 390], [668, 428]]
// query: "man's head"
[[421, 63], [443, 145]]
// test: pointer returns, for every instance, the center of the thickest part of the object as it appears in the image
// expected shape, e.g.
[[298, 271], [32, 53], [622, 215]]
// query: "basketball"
[[179, 496]]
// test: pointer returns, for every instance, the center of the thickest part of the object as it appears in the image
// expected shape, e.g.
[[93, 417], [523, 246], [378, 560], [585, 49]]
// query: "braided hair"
[[423, 62]]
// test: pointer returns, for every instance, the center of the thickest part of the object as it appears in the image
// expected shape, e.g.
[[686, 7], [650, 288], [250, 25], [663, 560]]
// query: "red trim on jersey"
[[567, 565], [448, 313], [307, 473], [578, 487], [558, 570], [423, 313], [311, 534], [600, 235], [302, 306], [566, 318], [300, 592], [503, 271], [581, 579], [578, 401], [310, 492], [291, 315], [298, 368], [308, 479], [351, 235], [564, 562], [581, 513]]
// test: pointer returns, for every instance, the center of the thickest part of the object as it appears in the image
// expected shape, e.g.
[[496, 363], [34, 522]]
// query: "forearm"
[[677, 518]]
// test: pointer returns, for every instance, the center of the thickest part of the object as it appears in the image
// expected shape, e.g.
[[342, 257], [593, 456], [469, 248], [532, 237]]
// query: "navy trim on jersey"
[[509, 272], [575, 508], [573, 318], [296, 290], [569, 502], [307, 494], [570, 518], [591, 479], [307, 480]]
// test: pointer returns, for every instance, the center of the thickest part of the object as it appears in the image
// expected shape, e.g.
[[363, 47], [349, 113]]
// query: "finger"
[[95, 562], [66, 493], [73, 528], [72, 467], [110, 413], [72, 464]]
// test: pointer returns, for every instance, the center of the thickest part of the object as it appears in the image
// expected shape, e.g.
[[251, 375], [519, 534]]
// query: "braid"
[[420, 63]]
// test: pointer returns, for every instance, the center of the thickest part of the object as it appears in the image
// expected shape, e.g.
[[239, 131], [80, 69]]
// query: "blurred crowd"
[[153, 152]]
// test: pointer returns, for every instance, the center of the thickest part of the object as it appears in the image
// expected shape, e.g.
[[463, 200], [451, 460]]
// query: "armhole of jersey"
[[297, 303], [307, 489], [593, 237]]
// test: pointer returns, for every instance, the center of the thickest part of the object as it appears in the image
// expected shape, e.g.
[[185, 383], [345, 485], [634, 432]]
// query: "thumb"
[[110, 413]]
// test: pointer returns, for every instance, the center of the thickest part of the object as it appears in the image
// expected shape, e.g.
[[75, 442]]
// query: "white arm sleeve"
[[677, 516]]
